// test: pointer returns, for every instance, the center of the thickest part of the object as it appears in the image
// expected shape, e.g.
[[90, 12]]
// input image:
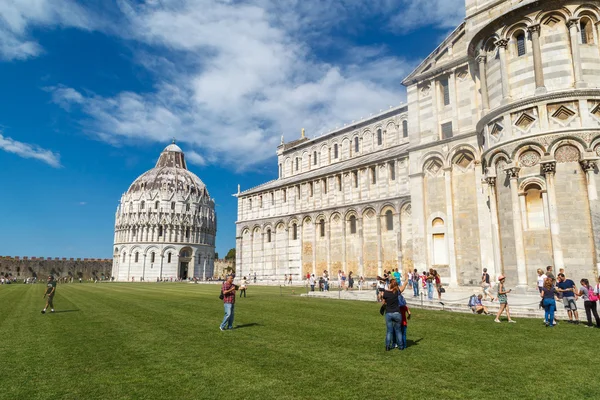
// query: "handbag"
[[221, 296], [401, 300], [442, 290], [382, 309]]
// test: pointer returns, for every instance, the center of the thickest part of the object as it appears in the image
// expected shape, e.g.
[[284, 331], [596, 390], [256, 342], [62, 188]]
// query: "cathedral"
[[492, 163], [165, 224]]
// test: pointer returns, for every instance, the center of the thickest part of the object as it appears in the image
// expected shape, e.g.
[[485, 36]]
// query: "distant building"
[[492, 163], [165, 224]]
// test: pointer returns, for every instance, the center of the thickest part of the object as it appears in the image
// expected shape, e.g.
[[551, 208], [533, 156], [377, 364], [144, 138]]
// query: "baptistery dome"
[[165, 224]]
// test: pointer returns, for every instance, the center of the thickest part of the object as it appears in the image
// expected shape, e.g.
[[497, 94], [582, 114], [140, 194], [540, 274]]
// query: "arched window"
[[156, 205], [142, 205], [137, 256], [322, 228], [438, 242], [284, 195], [389, 220], [169, 258], [187, 207], [268, 236], [352, 224], [339, 182], [315, 158], [172, 205], [445, 87], [405, 128], [250, 203], [373, 175], [297, 163], [133, 231], [356, 145], [521, 47], [187, 233], [335, 151], [124, 255], [160, 231], [437, 222], [587, 32], [379, 137], [294, 232], [152, 256], [310, 189], [535, 207]]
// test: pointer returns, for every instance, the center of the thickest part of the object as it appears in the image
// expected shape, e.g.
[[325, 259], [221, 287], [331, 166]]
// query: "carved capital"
[[502, 43], [512, 172], [481, 58], [491, 180], [573, 22], [548, 167], [534, 28], [588, 165]]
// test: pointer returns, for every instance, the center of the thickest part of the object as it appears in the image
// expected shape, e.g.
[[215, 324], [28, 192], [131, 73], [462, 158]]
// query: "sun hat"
[[501, 277]]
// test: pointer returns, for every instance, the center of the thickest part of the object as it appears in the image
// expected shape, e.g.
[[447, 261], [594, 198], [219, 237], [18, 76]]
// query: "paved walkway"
[[455, 300]]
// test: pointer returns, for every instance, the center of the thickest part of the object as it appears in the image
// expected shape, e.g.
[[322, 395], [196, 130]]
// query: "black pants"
[[242, 292], [591, 307]]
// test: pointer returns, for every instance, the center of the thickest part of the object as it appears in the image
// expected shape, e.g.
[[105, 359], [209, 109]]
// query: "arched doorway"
[[185, 257]]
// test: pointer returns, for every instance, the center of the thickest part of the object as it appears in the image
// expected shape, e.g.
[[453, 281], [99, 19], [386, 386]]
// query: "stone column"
[[301, 240], [453, 100], [589, 166], [573, 25], [513, 173], [537, 59], [485, 99], [484, 220], [262, 253], [314, 248], [379, 246], [502, 43], [496, 241], [361, 269], [450, 227], [344, 262], [328, 233], [417, 194], [549, 169], [398, 227]]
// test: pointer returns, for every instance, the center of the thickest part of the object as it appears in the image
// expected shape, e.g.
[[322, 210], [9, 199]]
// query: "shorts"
[[570, 303]]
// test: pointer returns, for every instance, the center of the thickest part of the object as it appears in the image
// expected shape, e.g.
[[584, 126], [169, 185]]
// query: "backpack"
[[472, 300], [591, 295], [401, 300]]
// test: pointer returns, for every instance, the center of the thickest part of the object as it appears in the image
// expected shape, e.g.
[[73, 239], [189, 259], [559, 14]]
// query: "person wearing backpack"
[[590, 301]]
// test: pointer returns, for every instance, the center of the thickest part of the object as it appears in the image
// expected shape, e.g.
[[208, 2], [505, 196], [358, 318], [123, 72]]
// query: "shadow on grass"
[[410, 342], [247, 325], [62, 311]]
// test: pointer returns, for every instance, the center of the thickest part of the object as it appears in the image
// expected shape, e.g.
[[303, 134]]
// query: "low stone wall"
[[40, 267]]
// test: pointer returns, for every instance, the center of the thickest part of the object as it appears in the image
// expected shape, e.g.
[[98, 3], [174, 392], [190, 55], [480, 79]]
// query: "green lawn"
[[162, 341]]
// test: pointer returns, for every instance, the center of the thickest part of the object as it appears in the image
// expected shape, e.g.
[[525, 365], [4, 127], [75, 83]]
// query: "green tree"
[[230, 255]]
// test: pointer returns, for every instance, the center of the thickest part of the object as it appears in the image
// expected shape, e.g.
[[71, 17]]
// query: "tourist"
[[430, 282], [343, 280], [50, 292], [415, 283], [311, 281], [381, 286], [228, 290], [396, 276], [326, 281], [486, 285], [290, 279], [393, 318], [350, 281], [478, 306], [361, 282], [590, 299], [255, 277], [548, 295], [285, 279], [550, 274], [541, 279], [423, 278], [438, 284], [569, 291], [503, 300], [339, 276], [243, 286]]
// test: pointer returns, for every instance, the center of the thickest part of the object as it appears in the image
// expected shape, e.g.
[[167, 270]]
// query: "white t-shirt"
[[311, 280], [541, 279]]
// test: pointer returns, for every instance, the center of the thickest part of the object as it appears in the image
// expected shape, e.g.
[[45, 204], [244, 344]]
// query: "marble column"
[[328, 233], [502, 43], [549, 170], [417, 194], [361, 258], [301, 240], [485, 98], [398, 227], [314, 248], [379, 245], [344, 262], [538, 68], [450, 227], [589, 166], [513, 173], [496, 241], [573, 25], [453, 100]]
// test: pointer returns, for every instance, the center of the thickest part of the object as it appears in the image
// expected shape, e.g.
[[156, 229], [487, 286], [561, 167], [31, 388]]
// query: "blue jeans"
[[402, 344], [416, 289], [550, 307], [430, 290], [393, 322], [228, 319]]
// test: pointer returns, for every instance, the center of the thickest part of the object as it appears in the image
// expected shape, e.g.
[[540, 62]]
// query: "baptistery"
[[165, 224]]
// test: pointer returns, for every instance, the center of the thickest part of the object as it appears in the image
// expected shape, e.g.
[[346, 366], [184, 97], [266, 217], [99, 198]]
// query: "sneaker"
[[221, 328], [497, 320], [52, 310], [512, 321], [43, 311]]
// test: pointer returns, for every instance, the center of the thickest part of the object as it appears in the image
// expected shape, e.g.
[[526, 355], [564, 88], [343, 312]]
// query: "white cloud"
[[82, 203], [415, 14], [26, 150], [19, 16], [249, 76]]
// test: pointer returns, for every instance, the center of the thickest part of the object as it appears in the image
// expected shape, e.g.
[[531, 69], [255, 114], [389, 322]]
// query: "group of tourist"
[[345, 282], [561, 288], [396, 313]]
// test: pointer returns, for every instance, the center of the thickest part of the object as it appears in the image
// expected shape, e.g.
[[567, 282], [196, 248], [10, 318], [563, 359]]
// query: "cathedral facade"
[[492, 163], [165, 224]]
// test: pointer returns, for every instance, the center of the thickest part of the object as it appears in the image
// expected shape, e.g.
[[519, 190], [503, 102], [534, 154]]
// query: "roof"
[[332, 169]]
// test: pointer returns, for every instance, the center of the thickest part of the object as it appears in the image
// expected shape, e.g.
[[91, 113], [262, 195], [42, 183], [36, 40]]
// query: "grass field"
[[162, 341]]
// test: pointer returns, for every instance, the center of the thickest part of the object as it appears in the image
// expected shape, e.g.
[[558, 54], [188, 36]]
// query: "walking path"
[[456, 300]]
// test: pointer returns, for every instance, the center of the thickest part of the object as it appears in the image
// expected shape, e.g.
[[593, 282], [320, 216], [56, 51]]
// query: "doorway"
[[183, 270]]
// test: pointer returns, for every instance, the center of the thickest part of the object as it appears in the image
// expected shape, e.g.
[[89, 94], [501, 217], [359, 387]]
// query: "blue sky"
[[93, 91]]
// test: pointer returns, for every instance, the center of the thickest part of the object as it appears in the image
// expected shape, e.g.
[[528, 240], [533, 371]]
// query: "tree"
[[216, 256], [230, 255]]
